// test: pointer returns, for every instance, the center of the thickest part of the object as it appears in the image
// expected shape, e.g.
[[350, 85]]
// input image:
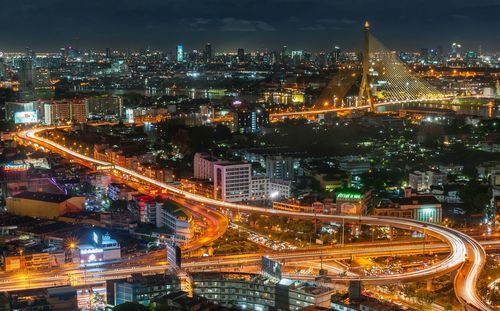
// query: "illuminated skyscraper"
[[241, 55], [2, 67], [208, 52], [336, 55], [26, 78], [180, 53]]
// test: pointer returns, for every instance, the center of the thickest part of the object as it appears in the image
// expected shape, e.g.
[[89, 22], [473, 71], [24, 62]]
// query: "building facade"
[[232, 181]]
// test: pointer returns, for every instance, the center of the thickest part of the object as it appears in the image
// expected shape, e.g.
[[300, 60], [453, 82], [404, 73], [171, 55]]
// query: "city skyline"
[[312, 25]]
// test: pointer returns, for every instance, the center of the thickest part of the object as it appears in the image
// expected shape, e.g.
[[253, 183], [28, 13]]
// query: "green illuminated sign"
[[349, 195]]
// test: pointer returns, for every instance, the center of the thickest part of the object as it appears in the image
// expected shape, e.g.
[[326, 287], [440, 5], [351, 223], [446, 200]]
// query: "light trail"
[[459, 243], [363, 107]]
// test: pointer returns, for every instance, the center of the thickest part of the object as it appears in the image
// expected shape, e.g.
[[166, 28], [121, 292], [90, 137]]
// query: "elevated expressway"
[[466, 255], [331, 109]]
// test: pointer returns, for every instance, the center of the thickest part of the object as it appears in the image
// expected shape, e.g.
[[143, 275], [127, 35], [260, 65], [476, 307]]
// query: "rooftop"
[[43, 196], [416, 200]]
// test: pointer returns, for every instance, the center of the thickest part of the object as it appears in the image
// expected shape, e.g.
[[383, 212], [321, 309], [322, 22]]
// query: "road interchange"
[[466, 256]]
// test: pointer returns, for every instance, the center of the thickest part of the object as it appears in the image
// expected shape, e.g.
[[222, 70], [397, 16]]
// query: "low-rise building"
[[422, 181], [61, 298], [264, 188], [350, 201], [117, 191], [43, 205], [204, 165], [102, 248], [145, 207], [202, 187], [419, 207], [257, 292], [140, 288], [176, 220]]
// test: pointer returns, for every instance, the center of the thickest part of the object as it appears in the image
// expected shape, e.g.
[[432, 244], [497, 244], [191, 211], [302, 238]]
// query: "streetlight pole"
[[343, 237]]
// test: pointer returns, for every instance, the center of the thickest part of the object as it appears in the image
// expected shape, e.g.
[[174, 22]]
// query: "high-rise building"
[[241, 55], [106, 105], [336, 55], [42, 79], [180, 53], [3, 67], [108, 53], [79, 111], [424, 55], [208, 52], [250, 120], [26, 75], [65, 111], [456, 49], [232, 181]]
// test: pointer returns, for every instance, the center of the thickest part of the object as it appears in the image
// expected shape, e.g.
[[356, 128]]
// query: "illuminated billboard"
[[24, 117]]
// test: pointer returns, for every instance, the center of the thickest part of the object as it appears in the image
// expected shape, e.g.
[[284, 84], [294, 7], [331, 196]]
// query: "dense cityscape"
[[199, 177]]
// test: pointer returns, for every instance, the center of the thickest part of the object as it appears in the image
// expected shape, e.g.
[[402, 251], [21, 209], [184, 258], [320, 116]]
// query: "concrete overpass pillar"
[[430, 288]]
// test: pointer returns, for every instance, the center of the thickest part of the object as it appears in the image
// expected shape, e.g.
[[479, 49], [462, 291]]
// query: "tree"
[[130, 306], [475, 197]]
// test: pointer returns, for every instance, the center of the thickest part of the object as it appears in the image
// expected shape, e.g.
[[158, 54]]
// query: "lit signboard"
[[25, 117], [298, 98], [16, 167], [349, 196]]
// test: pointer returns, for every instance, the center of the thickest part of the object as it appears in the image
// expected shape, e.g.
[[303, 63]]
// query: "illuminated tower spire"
[[364, 89]]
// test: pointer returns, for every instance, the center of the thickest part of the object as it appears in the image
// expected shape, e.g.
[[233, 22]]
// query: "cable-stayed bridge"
[[381, 79]]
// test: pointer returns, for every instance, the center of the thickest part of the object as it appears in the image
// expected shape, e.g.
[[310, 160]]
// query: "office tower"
[[424, 55], [232, 181], [3, 68], [208, 52], [108, 53], [241, 55], [456, 50], [336, 55], [30, 53], [180, 53], [26, 77], [42, 79]]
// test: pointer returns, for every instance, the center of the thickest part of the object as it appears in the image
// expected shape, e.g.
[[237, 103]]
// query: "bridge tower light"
[[364, 89]]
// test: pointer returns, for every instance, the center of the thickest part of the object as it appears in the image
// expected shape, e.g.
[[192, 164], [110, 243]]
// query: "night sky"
[[47, 25]]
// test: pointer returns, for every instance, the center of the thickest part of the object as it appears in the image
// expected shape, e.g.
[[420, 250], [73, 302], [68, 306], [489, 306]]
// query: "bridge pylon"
[[364, 89]]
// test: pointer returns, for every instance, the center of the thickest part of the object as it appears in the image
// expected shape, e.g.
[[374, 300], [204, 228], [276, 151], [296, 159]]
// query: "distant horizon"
[[315, 25], [199, 48]]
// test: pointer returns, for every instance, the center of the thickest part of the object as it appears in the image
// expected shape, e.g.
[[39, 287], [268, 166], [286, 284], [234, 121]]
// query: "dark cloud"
[[252, 24]]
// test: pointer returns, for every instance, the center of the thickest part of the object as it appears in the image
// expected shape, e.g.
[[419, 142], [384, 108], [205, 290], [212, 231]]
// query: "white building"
[[65, 111], [103, 248], [263, 188], [204, 165], [422, 181], [176, 220], [232, 181]]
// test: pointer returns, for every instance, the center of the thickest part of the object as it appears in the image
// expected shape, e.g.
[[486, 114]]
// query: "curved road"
[[461, 245]]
